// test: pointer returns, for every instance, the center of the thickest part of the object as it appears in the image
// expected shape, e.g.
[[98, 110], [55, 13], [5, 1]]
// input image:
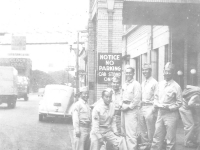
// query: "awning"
[[158, 13]]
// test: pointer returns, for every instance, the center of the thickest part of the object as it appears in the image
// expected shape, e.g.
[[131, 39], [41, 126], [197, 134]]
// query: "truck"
[[24, 68], [8, 86], [23, 87]]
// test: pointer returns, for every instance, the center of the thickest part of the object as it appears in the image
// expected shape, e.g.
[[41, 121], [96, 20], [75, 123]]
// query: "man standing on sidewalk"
[[168, 99], [190, 115], [117, 98], [104, 129], [81, 120], [131, 100], [147, 113]]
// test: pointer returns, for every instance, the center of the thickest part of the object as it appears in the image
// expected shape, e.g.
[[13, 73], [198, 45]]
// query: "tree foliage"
[[40, 79], [62, 77]]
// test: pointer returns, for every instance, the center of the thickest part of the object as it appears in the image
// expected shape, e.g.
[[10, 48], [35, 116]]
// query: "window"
[[138, 68], [154, 62], [144, 60], [167, 53]]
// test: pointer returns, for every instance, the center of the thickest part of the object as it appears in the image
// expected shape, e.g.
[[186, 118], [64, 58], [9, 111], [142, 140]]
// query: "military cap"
[[109, 90], [169, 65], [146, 66], [115, 78], [128, 67], [84, 89]]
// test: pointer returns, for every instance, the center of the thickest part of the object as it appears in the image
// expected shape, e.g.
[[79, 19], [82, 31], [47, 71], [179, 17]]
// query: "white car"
[[57, 101], [40, 92]]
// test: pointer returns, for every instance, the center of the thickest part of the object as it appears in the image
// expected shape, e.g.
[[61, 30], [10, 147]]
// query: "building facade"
[[153, 31]]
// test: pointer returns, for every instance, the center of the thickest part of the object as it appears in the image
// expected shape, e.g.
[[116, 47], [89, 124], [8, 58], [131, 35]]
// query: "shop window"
[[144, 60], [154, 62], [128, 61], [138, 68], [167, 53]]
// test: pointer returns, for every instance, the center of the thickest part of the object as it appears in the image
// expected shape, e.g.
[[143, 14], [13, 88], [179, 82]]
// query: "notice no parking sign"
[[109, 64]]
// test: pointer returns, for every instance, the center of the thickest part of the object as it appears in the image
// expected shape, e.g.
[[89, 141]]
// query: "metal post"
[[77, 64]]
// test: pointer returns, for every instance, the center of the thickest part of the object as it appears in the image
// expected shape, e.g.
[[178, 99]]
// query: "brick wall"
[[102, 36], [107, 38], [91, 60]]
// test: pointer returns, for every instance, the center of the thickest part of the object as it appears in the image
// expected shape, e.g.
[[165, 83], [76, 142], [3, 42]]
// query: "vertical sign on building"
[[18, 43], [109, 65], [18, 48]]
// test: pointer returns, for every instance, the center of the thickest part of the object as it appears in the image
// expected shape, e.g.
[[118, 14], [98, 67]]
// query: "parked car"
[[57, 101], [41, 92]]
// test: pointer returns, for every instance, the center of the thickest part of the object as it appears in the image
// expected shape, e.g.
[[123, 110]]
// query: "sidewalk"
[[180, 138]]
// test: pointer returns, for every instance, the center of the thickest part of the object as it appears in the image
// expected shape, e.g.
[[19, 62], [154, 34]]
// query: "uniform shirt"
[[81, 114], [117, 98], [169, 93], [148, 90], [131, 91], [194, 100], [191, 96], [103, 118]]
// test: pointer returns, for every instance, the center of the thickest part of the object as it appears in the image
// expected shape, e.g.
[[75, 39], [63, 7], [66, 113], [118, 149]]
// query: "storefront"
[[161, 31]]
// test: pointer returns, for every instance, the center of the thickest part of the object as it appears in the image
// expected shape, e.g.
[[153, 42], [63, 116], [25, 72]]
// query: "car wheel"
[[26, 98], [41, 117], [12, 104]]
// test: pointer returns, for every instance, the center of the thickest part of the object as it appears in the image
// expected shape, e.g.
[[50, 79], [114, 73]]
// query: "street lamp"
[[180, 73], [193, 72]]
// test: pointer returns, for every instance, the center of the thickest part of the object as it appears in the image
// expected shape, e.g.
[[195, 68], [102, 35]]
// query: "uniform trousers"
[[190, 122], [166, 126], [147, 121], [130, 127], [118, 122], [109, 137], [81, 143]]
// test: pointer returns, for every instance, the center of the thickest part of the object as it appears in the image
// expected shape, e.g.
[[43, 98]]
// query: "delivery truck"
[[8, 86], [23, 87]]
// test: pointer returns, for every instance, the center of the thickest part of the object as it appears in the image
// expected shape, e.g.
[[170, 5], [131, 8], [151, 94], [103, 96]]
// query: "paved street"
[[21, 130]]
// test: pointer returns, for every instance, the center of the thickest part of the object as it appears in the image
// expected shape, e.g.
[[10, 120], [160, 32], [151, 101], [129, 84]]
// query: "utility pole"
[[77, 58], [77, 64]]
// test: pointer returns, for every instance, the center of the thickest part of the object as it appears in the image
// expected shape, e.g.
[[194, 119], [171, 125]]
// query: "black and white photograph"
[[100, 75]]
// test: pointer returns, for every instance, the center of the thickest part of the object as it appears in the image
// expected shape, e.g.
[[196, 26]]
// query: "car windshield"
[[59, 94], [22, 80]]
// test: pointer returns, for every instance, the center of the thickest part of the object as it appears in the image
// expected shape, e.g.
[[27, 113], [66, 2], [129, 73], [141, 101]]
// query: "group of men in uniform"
[[124, 114]]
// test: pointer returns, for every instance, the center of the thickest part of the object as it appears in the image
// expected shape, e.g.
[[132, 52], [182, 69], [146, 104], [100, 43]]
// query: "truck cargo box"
[[8, 86], [8, 81]]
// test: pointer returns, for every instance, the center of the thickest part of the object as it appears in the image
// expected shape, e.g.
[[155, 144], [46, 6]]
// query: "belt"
[[118, 112], [85, 125], [105, 127], [126, 102], [147, 104]]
